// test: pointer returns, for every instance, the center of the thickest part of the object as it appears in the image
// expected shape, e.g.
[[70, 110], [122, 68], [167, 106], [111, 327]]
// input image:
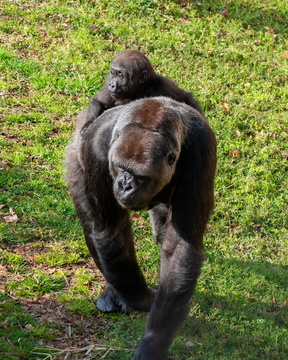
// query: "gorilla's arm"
[[99, 103], [111, 246], [113, 243]]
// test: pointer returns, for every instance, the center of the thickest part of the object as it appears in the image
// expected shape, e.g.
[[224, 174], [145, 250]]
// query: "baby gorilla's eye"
[[120, 76], [113, 73]]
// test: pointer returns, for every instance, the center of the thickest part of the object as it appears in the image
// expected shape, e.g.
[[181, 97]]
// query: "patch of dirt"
[[70, 329], [30, 251], [73, 336], [3, 277]]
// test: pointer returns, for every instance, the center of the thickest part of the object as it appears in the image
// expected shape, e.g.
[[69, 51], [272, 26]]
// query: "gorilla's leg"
[[158, 216], [180, 268]]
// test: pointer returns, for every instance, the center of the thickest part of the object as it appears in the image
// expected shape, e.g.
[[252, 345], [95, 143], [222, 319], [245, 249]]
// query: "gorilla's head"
[[142, 162], [143, 153], [130, 71]]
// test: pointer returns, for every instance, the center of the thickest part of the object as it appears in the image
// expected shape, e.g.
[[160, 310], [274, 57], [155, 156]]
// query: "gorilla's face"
[[129, 70], [141, 163], [119, 84]]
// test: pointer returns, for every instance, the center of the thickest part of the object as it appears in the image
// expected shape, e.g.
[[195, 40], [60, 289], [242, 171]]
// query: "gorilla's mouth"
[[117, 95], [133, 205], [114, 94]]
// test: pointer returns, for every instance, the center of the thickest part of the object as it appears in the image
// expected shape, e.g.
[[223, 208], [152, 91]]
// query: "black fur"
[[155, 154], [138, 80]]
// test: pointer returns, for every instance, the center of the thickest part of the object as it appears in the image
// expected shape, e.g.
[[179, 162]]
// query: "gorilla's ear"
[[171, 158], [142, 76]]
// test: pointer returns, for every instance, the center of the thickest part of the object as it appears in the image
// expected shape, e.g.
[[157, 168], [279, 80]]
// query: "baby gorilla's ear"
[[142, 76]]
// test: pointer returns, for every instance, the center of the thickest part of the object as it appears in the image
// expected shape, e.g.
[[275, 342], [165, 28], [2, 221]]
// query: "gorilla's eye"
[[120, 76], [142, 179], [171, 158], [112, 72]]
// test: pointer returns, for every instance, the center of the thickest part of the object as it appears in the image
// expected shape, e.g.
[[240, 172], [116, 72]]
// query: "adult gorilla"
[[154, 154], [132, 77]]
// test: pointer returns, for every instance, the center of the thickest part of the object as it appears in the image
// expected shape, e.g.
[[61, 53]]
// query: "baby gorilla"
[[132, 77]]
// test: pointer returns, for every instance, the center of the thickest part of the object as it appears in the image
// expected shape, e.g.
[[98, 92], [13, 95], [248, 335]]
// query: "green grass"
[[54, 56], [19, 331]]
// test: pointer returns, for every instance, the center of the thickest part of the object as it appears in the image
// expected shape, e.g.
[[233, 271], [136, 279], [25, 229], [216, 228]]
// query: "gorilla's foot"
[[111, 301]]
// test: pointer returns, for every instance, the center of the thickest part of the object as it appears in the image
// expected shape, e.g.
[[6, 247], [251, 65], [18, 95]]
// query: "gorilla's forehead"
[[151, 115], [140, 143], [147, 114], [130, 58]]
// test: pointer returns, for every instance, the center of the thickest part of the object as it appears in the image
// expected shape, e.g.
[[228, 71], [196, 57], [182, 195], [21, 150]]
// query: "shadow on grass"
[[248, 325]]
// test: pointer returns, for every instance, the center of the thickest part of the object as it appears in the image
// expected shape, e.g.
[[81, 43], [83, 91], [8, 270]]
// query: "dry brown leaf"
[[225, 106], [95, 27], [285, 55], [136, 216], [235, 153], [3, 271], [224, 11], [29, 327], [270, 31], [222, 33], [183, 3], [12, 217]]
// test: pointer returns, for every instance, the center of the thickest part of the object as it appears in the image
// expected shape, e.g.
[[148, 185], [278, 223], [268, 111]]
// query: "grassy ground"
[[54, 55]]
